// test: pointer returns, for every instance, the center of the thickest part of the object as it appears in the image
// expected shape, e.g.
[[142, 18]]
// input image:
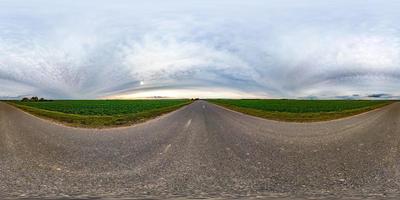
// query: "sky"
[[90, 49]]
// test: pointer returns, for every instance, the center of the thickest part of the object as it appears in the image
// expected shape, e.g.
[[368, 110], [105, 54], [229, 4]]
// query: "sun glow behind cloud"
[[127, 49], [186, 93]]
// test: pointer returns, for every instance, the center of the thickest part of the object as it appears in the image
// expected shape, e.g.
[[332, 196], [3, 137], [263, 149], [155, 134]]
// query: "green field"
[[300, 110], [100, 113]]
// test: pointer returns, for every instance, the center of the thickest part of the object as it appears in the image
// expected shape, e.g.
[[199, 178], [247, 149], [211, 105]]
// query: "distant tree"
[[42, 99], [25, 99], [34, 99]]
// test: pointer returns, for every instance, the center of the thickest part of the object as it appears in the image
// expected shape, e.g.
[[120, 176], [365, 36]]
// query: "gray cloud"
[[94, 49]]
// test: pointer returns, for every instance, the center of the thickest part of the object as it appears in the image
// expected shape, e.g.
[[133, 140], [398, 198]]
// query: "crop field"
[[300, 110], [100, 113], [102, 107]]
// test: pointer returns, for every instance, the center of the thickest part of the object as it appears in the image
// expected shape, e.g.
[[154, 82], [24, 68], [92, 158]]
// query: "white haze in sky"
[[206, 48]]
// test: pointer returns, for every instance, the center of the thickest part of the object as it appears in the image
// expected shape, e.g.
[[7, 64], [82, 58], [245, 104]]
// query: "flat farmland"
[[300, 110], [100, 113]]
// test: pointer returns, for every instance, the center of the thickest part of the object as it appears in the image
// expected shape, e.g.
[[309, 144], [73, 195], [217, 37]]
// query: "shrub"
[[34, 99], [25, 99]]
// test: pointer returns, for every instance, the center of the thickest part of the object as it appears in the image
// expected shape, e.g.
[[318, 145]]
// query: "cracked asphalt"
[[202, 150]]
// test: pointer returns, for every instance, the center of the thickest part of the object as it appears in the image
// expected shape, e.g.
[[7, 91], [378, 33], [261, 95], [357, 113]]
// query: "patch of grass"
[[300, 110], [100, 113]]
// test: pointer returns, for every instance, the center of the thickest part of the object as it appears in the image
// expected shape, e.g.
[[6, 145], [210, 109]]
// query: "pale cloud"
[[156, 57], [98, 49], [187, 93]]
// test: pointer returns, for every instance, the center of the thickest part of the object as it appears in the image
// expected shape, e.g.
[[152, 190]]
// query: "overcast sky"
[[206, 48]]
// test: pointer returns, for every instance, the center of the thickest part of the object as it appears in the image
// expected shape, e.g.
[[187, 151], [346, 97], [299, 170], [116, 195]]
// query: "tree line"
[[33, 99]]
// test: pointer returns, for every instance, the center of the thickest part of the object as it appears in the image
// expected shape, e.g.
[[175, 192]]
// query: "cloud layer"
[[289, 49]]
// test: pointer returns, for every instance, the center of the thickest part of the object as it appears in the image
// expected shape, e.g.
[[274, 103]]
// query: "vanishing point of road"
[[201, 150]]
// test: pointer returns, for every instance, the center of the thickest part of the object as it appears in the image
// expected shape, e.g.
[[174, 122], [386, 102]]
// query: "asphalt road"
[[202, 150]]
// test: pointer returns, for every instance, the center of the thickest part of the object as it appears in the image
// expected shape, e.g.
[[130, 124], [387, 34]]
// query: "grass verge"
[[97, 121], [300, 116]]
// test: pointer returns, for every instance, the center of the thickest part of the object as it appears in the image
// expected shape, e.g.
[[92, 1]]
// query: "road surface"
[[201, 150]]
